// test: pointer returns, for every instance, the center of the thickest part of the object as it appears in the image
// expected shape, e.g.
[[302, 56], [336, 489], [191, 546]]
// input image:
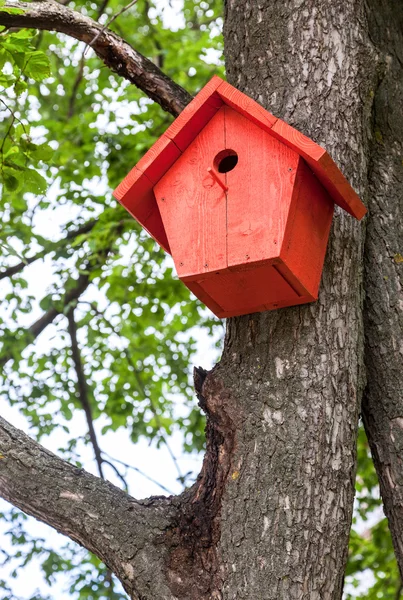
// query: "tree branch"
[[48, 318], [80, 73], [54, 246], [82, 389], [124, 533], [117, 54]]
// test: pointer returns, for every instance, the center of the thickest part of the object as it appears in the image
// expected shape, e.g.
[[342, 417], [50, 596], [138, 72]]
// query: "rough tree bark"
[[269, 516], [383, 399]]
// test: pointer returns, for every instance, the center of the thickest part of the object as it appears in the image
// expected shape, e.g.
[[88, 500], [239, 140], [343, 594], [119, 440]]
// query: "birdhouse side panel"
[[139, 201], [193, 205], [307, 233], [260, 189]]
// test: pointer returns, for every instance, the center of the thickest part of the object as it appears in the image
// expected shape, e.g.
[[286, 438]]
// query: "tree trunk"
[[383, 400], [294, 377], [269, 516]]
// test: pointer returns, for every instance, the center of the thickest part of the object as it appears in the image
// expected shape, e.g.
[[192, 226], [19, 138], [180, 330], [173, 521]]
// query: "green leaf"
[[10, 181], [20, 87], [43, 152], [34, 182], [37, 65], [11, 11]]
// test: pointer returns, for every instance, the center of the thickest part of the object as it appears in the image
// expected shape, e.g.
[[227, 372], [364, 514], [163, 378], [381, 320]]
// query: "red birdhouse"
[[241, 200]]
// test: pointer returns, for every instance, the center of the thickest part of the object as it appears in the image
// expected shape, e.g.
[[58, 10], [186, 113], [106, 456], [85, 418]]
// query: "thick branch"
[[117, 54], [120, 530]]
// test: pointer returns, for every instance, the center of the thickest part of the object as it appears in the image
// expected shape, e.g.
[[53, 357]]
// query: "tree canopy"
[[120, 329]]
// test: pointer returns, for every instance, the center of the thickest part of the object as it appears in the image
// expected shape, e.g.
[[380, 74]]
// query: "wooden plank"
[[246, 106], [260, 189], [193, 205], [158, 159], [128, 182], [196, 115], [323, 166], [275, 306], [241, 292], [139, 201], [305, 241], [202, 295]]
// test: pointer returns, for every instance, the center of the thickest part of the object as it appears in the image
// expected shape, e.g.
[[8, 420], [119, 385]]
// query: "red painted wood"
[[246, 106], [139, 201], [280, 304], [248, 291], [159, 158], [196, 115], [203, 296], [193, 205], [259, 194], [305, 241], [259, 244], [323, 166]]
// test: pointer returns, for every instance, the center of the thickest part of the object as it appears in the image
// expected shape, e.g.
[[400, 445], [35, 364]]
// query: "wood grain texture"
[[260, 189], [158, 159], [193, 205], [244, 292], [246, 106], [323, 166], [136, 194], [305, 241]]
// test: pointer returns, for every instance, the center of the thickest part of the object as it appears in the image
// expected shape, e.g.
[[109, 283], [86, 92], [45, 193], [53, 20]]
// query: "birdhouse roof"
[[135, 192]]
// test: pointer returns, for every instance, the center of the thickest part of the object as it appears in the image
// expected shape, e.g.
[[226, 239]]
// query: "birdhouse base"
[[240, 291]]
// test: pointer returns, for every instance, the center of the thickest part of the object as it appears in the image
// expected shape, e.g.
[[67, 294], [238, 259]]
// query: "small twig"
[[113, 18], [54, 246], [140, 472], [80, 73], [118, 473], [82, 389], [142, 389]]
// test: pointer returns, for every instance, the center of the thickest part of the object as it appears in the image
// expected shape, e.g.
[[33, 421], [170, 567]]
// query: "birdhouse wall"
[[307, 232], [260, 190], [210, 229], [140, 203], [257, 241], [193, 206]]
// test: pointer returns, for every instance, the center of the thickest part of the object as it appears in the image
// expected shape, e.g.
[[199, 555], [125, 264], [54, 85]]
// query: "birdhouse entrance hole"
[[225, 161]]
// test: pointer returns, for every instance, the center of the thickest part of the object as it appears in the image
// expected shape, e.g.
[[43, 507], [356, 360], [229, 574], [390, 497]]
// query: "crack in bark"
[[193, 563]]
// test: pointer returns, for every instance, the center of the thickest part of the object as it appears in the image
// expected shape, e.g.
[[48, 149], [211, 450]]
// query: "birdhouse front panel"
[[260, 189], [243, 201], [193, 207]]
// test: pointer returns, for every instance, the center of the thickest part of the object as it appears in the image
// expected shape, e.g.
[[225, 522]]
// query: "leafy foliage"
[[70, 131]]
